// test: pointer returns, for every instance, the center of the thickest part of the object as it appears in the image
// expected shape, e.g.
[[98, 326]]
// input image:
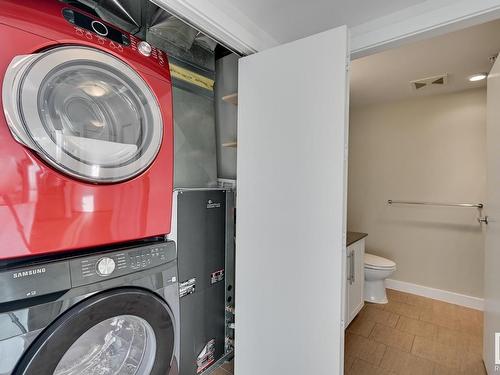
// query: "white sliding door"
[[290, 244]]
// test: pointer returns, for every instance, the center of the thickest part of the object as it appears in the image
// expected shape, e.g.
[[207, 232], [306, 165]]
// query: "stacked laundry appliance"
[[108, 96], [89, 281]]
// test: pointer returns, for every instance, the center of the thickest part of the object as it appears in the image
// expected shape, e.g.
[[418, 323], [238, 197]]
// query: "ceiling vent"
[[425, 83]]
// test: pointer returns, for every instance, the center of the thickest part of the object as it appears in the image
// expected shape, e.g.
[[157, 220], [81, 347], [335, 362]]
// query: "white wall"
[[426, 149]]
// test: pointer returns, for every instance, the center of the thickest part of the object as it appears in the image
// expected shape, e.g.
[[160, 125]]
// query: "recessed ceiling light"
[[478, 77]]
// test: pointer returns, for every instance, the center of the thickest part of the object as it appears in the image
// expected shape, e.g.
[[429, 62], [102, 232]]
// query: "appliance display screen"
[[95, 26]]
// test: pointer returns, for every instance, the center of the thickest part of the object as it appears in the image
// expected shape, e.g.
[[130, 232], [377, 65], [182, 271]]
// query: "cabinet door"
[[355, 284], [290, 227]]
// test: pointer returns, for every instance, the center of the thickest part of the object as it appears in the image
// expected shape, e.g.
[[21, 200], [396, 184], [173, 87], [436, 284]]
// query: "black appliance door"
[[121, 331]]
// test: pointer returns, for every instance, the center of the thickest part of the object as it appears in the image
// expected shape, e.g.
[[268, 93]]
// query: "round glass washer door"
[[124, 344], [85, 112], [122, 331]]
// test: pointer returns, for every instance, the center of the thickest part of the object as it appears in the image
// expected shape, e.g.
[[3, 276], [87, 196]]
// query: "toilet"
[[377, 269]]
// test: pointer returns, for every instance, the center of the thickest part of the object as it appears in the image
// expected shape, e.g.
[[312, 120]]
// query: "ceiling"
[[386, 76], [287, 20]]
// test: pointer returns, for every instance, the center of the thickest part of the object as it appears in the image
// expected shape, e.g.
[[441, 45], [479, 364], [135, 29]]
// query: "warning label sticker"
[[216, 276], [187, 287]]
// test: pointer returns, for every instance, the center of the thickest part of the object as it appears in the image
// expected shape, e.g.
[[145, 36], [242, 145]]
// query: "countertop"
[[354, 237]]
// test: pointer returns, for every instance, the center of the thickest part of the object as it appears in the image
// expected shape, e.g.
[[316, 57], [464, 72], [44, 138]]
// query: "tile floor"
[[226, 369], [413, 335]]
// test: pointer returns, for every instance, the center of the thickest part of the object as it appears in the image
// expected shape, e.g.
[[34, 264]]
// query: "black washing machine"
[[113, 312]]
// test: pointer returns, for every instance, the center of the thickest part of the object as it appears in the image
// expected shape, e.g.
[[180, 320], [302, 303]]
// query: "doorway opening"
[[417, 185]]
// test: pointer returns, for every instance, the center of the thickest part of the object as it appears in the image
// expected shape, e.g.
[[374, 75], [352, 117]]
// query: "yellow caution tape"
[[191, 77]]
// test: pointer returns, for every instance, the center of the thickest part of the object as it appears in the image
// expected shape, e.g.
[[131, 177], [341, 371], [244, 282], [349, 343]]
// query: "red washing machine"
[[86, 139]]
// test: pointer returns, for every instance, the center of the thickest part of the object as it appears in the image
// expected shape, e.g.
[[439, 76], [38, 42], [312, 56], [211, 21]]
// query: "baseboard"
[[439, 294]]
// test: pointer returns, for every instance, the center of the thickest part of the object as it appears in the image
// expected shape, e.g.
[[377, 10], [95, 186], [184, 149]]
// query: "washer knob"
[[105, 266], [144, 48]]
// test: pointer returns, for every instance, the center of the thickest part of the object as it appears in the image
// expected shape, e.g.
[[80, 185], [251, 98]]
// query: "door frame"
[[430, 18]]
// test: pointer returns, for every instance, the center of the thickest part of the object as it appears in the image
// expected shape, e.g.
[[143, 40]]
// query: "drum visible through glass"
[[122, 345]]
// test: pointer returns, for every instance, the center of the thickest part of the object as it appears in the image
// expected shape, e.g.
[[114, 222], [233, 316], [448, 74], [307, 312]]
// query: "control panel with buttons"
[[94, 30], [95, 268], [89, 25]]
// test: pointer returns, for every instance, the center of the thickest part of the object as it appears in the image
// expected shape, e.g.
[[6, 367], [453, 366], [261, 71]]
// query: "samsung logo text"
[[36, 271]]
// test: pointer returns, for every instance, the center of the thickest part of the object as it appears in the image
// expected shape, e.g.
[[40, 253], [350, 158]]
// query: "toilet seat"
[[378, 263]]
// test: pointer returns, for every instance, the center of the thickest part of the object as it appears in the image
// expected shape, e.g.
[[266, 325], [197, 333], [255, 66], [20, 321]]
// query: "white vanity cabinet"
[[355, 280]]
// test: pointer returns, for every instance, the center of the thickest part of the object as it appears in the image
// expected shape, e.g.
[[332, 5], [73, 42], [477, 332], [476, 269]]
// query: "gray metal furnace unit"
[[203, 228]]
